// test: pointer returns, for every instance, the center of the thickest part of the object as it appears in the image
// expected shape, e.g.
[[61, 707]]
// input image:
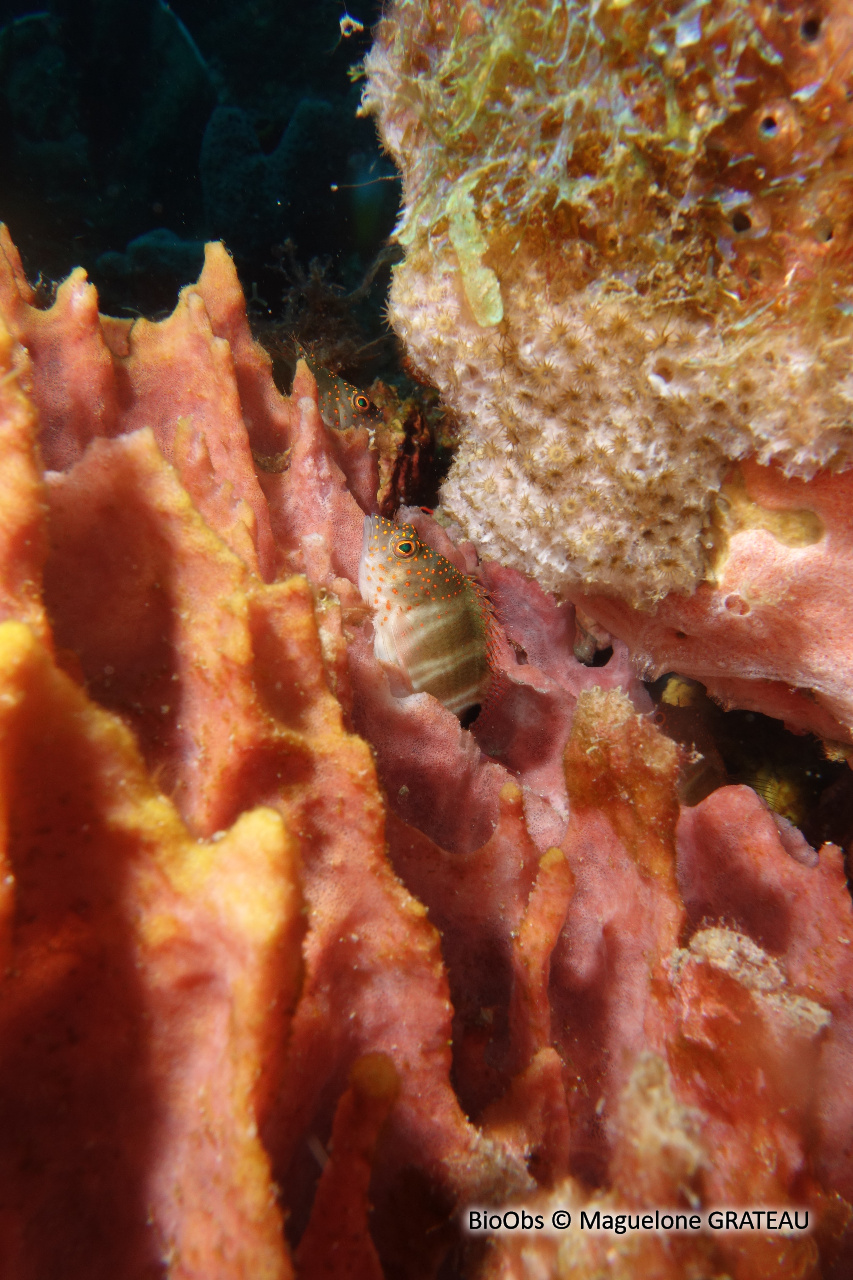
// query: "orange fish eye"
[[360, 401], [405, 548]]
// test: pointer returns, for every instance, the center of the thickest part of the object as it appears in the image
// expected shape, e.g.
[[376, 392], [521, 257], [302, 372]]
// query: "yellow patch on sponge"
[[481, 285], [736, 510]]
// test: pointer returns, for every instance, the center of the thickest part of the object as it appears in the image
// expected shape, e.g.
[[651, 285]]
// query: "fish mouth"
[[370, 533]]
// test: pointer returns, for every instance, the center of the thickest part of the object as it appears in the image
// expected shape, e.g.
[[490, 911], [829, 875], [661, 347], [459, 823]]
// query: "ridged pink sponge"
[[294, 974], [628, 263]]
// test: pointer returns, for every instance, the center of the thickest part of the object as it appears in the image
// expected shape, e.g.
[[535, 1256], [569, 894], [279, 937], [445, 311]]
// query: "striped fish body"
[[431, 622]]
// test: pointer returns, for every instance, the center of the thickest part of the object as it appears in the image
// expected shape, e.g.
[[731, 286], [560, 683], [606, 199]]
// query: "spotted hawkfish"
[[341, 404], [432, 622]]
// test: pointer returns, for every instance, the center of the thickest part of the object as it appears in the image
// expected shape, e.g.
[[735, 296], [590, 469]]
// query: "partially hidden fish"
[[432, 622], [341, 404]]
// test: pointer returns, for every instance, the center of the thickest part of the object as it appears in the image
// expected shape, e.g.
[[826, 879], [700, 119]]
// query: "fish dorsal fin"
[[499, 682]]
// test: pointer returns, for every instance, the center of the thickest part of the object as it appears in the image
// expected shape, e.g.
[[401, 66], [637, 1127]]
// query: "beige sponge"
[[628, 263]]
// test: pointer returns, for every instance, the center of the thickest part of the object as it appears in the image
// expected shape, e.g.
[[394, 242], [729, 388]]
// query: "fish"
[[342, 405], [432, 623]]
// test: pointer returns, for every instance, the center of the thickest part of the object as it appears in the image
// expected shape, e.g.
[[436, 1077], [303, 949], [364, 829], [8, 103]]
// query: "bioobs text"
[[785, 1221]]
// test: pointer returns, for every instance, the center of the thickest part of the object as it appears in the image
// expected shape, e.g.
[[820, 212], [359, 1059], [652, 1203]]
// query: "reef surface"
[[296, 971]]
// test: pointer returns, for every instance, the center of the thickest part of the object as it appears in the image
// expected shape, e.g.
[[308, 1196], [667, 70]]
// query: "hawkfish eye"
[[361, 402], [404, 548]]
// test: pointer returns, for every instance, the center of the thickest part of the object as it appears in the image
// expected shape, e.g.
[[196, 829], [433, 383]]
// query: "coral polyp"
[[647, 205]]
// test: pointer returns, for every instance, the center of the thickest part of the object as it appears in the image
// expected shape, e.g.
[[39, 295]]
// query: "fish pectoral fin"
[[398, 682], [389, 645], [384, 644]]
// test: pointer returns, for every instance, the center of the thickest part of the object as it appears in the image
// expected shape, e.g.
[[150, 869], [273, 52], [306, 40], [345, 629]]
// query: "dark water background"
[[132, 131]]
